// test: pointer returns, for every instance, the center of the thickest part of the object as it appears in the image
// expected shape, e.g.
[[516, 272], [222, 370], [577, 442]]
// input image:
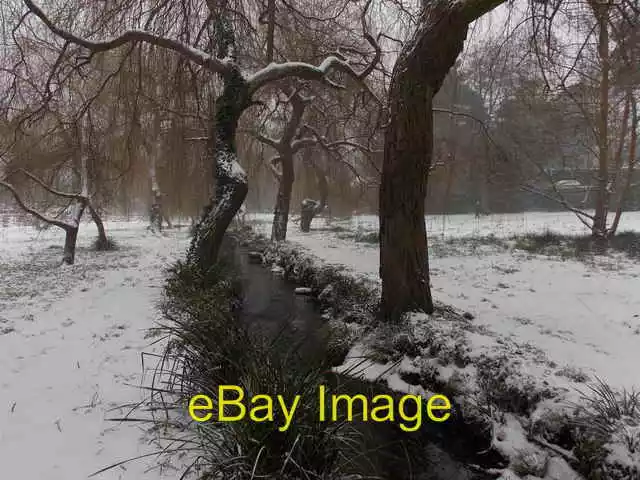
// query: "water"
[[434, 452]]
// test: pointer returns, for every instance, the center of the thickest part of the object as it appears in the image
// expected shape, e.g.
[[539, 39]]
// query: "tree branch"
[[133, 36], [50, 189], [31, 211]]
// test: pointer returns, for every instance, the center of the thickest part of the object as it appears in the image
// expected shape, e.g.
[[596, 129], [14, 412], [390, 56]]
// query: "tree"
[[237, 95], [593, 81], [80, 201], [424, 62], [286, 147]]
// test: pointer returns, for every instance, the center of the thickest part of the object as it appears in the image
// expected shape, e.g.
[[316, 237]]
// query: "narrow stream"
[[271, 305]]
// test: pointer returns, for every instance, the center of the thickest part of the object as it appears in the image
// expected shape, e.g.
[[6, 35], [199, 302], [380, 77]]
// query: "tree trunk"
[[418, 75], [102, 235], [70, 240], [599, 228], [71, 233], [231, 180], [155, 215], [283, 199], [624, 192], [323, 188], [307, 212]]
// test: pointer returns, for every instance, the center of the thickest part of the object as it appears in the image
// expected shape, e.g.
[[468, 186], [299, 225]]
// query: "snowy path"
[[70, 348]]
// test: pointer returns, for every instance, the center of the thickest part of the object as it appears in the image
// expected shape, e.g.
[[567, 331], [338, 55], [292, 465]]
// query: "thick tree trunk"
[[155, 214], [231, 180], [418, 75], [283, 199]]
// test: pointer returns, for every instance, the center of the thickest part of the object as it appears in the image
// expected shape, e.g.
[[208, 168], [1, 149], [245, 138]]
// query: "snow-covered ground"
[[71, 338], [70, 348], [557, 316]]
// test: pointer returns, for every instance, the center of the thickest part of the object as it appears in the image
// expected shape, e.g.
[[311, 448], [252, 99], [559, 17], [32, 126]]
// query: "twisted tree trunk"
[[231, 179]]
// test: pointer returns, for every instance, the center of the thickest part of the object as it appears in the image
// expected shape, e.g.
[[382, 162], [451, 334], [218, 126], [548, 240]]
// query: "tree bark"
[[283, 199], [231, 180], [71, 233], [70, 240], [417, 76], [102, 234]]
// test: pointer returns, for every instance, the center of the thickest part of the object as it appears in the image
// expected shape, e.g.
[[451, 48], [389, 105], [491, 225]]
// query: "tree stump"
[[308, 210]]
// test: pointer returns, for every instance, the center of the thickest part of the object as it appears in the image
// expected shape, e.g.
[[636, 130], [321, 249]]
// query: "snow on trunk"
[[231, 180]]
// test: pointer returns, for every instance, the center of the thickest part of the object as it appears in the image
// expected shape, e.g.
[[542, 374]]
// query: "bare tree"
[[79, 201], [237, 95]]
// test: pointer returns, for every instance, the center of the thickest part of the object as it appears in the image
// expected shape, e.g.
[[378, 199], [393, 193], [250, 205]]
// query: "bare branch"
[[134, 36], [31, 211], [50, 189]]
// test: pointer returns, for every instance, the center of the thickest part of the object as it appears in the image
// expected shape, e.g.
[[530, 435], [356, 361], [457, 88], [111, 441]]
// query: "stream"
[[433, 452]]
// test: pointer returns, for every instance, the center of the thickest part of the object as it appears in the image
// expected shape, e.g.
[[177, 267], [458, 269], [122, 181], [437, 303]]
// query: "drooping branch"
[[225, 66], [32, 211], [133, 36], [50, 189]]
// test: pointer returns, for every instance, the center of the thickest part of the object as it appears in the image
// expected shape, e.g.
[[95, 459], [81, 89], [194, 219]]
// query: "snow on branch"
[[134, 36], [271, 73], [278, 71]]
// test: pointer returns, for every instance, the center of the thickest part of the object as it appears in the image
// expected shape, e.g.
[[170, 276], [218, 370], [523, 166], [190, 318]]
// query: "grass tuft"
[[604, 418]]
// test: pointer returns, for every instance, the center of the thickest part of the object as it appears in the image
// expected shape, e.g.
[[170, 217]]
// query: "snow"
[[71, 340], [539, 325], [555, 315]]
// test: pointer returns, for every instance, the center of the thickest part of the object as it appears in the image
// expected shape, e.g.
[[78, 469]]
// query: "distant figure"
[[478, 209]]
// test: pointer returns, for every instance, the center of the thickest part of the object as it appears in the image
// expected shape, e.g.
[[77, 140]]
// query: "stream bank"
[[450, 450]]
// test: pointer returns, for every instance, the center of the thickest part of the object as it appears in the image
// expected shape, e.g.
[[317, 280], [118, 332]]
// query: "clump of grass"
[[502, 388], [536, 243], [628, 242], [605, 416], [367, 237], [211, 346], [577, 246], [605, 407], [105, 244]]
